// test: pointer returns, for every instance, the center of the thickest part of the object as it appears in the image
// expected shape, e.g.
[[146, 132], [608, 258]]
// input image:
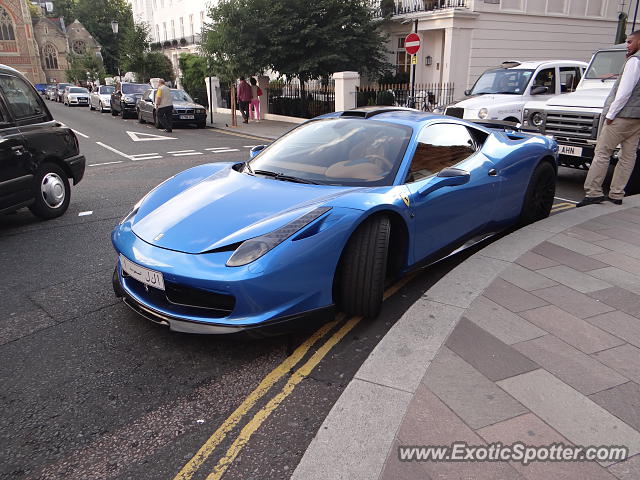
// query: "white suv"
[[500, 93]]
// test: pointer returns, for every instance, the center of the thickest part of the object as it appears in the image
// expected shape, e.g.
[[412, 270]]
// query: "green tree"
[[83, 68], [34, 10], [96, 16], [64, 9], [133, 48], [194, 70], [158, 66]]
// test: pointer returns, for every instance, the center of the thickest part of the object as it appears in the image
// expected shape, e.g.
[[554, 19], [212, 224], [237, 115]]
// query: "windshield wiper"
[[283, 177]]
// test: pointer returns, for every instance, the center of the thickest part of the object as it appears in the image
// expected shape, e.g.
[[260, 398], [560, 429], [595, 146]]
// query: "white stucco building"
[[462, 38], [175, 24]]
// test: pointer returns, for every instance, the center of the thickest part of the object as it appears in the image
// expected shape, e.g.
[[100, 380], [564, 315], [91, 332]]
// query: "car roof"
[[533, 64], [7, 67]]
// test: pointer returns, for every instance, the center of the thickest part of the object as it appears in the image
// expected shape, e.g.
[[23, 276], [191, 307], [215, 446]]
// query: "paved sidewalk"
[[534, 339], [267, 129]]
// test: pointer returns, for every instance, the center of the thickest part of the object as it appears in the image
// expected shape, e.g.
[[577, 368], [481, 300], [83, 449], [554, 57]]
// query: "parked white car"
[[75, 96], [500, 93], [101, 98]]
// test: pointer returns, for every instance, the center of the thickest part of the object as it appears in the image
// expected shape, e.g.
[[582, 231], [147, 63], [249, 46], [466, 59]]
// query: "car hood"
[[187, 105], [486, 101], [228, 207], [588, 98]]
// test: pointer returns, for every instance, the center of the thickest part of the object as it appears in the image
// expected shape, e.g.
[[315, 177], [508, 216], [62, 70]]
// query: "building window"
[[6, 26], [556, 6], [403, 60], [182, 27], [50, 57], [511, 5], [173, 29], [157, 33], [191, 23], [594, 8], [201, 19], [79, 47], [164, 28]]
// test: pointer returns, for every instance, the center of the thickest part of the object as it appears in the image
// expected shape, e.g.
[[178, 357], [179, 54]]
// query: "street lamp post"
[[114, 27]]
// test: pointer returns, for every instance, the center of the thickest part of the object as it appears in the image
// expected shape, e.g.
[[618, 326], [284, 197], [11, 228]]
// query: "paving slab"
[[594, 225], [484, 352], [620, 233], [530, 430], [525, 278], [571, 329], [623, 401], [620, 324], [567, 257], [356, 436], [572, 414], [394, 469], [618, 277], [574, 279], [627, 470], [573, 302], [503, 324], [619, 298], [516, 244], [430, 422], [586, 235], [621, 261], [512, 297], [533, 261], [620, 247], [570, 365], [472, 396], [624, 359], [413, 340], [576, 245]]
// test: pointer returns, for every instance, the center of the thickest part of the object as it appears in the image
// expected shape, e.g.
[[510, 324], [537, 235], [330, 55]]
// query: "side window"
[[440, 146], [546, 78], [23, 101], [569, 78]]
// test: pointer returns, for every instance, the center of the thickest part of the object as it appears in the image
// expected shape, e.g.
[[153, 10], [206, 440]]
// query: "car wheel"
[[101, 107], [91, 107], [51, 191], [539, 197], [202, 124], [140, 119], [363, 268]]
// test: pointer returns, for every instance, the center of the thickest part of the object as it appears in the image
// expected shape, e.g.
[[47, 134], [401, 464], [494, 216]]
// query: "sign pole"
[[411, 46], [413, 66]]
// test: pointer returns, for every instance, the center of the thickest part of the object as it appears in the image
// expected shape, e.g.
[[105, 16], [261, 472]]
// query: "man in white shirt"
[[621, 127], [164, 106]]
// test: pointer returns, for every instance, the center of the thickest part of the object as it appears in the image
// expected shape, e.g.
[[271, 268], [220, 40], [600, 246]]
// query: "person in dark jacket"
[[244, 97]]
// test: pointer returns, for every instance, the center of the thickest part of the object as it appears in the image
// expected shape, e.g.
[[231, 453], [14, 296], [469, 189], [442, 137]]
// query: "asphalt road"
[[90, 390]]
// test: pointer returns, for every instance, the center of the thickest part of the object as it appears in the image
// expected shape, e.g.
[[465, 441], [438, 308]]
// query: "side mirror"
[[539, 90], [256, 150], [467, 92], [448, 177]]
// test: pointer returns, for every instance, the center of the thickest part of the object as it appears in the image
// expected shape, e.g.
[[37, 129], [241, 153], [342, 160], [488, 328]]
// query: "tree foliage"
[[158, 65], [64, 9], [135, 43], [296, 38], [83, 68], [194, 70]]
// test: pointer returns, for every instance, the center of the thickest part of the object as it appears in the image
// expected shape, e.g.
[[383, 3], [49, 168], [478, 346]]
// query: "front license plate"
[[145, 275], [570, 150], [187, 117]]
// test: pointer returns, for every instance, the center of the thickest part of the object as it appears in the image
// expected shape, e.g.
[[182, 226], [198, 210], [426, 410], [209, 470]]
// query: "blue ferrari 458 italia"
[[324, 217]]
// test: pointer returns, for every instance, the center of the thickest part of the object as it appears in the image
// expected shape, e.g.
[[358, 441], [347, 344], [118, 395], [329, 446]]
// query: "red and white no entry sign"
[[412, 43]]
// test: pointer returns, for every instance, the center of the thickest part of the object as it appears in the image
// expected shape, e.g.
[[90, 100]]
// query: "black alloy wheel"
[[540, 193]]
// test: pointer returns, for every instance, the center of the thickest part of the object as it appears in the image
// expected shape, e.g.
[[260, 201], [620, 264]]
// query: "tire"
[[539, 197], [51, 191], [91, 107], [363, 267], [101, 107], [633, 185], [202, 124], [140, 119]]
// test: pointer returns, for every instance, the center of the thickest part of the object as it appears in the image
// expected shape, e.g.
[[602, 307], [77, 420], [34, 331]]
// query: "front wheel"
[[51, 191], [363, 267], [140, 119], [202, 124], [540, 193]]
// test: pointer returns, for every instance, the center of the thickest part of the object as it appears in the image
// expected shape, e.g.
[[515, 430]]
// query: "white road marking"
[[146, 158], [249, 146], [79, 133], [143, 154], [185, 154], [222, 150], [182, 151], [84, 214], [114, 150], [147, 137], [106, 163], [565, 200]]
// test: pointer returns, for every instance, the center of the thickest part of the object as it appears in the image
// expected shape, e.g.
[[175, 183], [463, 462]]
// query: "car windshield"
[[606, 64], [62, 85], [129, 88], [502, 81], [106, 89], [180, 96], [78, 90], [348, 152]]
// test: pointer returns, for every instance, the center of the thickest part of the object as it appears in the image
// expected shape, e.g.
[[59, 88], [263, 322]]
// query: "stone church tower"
[[18, 47]]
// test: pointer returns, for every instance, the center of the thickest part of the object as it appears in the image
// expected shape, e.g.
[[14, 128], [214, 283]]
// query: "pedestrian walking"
[[621, 127], [254, 105], [244, 97], [164, 106]]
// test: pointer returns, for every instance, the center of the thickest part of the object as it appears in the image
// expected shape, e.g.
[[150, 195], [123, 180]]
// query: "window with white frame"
[[157, 33], [182, 27], [164, 28], [403, 59], [511, 5], [191, 23], [7, 31], [557, 6], [595, 8], [173, 29]]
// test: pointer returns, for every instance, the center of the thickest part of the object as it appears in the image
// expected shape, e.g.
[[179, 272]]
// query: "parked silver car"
[[75, 96], [101, 98]]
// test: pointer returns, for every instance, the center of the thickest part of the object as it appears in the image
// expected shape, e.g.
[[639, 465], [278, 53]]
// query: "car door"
[[444, 215], [15, 173], [145, 106]]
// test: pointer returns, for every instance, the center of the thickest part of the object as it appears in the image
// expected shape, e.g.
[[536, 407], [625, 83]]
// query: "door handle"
[[493, 172]]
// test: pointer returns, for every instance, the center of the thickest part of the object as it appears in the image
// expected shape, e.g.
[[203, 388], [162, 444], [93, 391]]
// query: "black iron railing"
[[427, 96], [384, 8]]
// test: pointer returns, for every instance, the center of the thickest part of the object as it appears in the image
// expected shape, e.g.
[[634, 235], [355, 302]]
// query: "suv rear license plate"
[[570, 150], [145, 275], [187, 117]]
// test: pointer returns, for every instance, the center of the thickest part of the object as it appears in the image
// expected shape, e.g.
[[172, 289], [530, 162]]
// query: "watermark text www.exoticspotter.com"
[[515, 452]]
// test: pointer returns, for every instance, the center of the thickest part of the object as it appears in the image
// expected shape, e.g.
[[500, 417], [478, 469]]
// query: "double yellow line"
[[558, 207], [205, 451]]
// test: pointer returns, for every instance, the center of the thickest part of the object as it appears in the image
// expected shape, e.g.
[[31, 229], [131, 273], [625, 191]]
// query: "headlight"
[[200, 110], [537, 119], [482, 113], [129, 98], [255, 248]]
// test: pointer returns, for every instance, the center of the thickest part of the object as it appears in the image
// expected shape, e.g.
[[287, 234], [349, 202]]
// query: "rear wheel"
[[51, 191], [362, 269], [539, 197], [140, 119]]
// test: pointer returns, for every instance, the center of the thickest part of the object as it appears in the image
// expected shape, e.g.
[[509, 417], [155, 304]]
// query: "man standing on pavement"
[[164, 106], [244, 97], [621, 127]]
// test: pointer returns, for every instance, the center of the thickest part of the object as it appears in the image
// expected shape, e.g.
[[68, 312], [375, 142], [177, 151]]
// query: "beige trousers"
[[626, 133]]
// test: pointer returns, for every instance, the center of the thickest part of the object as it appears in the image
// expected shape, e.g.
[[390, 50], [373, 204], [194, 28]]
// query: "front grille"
[[455, 112], [572, 125], [182, 111]]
